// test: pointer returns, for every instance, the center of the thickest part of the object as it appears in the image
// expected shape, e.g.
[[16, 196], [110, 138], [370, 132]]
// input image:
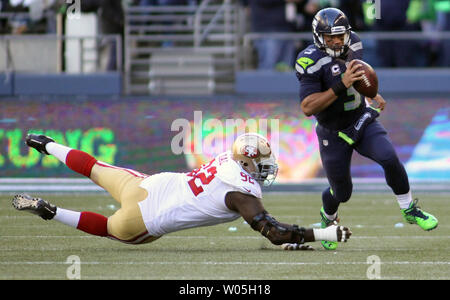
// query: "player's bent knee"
[[392, 161], [391, 164], [389, 158], [344, 194], [345, 199], [122, 233], [117, 229], [127, 228]]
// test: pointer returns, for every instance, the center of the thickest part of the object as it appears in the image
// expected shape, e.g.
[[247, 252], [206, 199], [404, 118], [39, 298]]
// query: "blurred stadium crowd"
[[427, 16]]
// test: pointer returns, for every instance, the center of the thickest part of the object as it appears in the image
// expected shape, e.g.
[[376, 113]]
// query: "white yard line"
[[230, 263]]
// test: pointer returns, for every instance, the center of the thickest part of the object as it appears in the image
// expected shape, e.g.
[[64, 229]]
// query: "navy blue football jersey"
[[317, 72]]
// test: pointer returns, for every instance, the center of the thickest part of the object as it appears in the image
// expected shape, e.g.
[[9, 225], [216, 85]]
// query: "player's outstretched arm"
[[253, 212]]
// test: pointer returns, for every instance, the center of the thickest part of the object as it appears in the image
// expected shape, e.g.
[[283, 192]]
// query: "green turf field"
[[31, 248]]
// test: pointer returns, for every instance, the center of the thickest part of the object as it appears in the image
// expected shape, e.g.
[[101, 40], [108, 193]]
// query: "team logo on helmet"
[[250, 151]]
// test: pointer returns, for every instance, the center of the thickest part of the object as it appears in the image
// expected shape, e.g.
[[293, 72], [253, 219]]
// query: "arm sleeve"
[[278, 233]]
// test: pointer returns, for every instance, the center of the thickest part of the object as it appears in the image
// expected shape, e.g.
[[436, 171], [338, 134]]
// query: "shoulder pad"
[[231, 173], [355, 42], [311, 60]]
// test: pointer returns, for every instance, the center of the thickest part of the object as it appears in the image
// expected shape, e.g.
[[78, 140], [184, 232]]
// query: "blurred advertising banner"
[[178, 134], [431, 156]]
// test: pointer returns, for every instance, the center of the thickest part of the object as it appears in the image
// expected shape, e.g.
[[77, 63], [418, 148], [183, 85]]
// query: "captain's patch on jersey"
[[335, 70]]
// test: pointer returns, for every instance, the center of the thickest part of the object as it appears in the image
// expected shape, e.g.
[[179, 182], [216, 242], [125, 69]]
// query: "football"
[[368, 86]]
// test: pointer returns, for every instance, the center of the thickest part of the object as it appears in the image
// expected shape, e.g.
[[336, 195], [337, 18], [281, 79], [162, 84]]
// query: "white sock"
[[330, 217], [404, 200], [58, 150], [68, 217]]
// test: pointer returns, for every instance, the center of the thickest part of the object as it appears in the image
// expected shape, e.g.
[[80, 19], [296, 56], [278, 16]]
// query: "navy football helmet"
[[331, 21]]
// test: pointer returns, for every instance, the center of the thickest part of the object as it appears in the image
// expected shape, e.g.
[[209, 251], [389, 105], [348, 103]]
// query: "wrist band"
[[338, 88]]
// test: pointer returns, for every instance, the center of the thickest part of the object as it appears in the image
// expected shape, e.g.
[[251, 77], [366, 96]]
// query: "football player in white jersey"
[[226, 188]]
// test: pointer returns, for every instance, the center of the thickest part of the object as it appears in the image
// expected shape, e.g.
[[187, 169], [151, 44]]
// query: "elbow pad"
[[276, 232]]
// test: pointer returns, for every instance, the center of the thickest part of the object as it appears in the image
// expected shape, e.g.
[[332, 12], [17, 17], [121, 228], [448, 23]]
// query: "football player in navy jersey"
[[326, 71]]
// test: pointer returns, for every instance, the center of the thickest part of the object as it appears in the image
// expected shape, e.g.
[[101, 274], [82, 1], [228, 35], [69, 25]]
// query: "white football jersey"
[[179, 201]]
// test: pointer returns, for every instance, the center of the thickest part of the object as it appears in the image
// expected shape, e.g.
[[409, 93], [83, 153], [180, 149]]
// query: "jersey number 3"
[[355, 98], [205, 176]]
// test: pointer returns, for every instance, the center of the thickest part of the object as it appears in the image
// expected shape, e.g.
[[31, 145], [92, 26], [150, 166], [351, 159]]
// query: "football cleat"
[[35, 206], [414, 215], [325, 222], [38, 142]]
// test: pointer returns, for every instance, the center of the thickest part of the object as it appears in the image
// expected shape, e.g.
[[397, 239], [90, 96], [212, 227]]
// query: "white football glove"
[[295, 246]]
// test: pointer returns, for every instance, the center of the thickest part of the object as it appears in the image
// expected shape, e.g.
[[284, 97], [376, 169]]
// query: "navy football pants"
[[336, 157]]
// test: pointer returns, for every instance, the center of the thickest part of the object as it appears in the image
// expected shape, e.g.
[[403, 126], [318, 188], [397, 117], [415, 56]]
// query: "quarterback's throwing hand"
[[352, 74]]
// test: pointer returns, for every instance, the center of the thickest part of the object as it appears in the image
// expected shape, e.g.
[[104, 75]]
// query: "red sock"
[[80, 162], [93, 223]]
